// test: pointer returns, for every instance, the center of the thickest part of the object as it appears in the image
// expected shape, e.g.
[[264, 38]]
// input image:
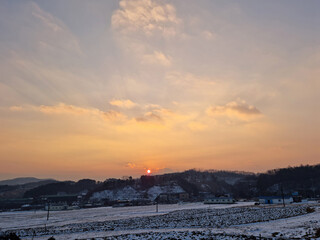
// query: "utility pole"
[[45, 225], [284, 205], [48, 211]]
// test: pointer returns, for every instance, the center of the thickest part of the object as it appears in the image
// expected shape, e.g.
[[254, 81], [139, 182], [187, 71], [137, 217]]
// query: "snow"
[[129, 193], [155, 191], [181, 221], [118, 194], [294, 227], [29, 219]]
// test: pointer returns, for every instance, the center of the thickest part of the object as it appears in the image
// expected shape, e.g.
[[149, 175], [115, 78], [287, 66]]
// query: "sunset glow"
[[101, 89]]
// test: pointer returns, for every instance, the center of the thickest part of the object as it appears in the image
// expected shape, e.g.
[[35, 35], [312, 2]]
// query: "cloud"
[[139, 26], [152, 106], [46, 18], [148, 113], [149, 116], [165, 170], [155, 114], [145, 16], [189, 80], [208, 35], [131, 165], [15, 108], [53, 34], [157, 58], [166, 118], [40, 63], [113, 115], [235, 109], [64, 109], [123, 103]]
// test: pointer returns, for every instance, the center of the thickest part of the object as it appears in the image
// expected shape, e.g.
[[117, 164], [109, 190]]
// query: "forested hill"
[[302, 179]]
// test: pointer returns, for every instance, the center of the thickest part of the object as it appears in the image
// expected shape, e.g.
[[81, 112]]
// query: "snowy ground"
[[185, 221], [31, 219]]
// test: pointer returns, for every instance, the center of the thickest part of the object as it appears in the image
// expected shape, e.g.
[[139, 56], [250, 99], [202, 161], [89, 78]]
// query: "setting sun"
[[148, 171]]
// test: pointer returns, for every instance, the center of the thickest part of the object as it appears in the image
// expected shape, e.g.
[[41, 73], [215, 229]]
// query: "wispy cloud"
[[53, 34], [157, 57], [123, 103], [186, 79], [65, 109], [47, 19], [235, 109]]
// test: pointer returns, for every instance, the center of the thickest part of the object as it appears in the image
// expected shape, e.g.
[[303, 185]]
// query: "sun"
[[148, 171]]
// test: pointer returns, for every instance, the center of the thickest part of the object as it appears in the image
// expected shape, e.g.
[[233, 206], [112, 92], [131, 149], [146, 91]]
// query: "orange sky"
[[99, 89]]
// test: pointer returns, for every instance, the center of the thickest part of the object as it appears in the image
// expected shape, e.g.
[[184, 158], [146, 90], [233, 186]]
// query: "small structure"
[[56, 206], [14, 203], [172, 197], [275, 199], [184, 196], [122, 203], [61, 197], [296, 197], [219, 200]]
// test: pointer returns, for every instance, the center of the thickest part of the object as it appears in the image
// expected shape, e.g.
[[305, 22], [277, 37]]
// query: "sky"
[[100, 89]]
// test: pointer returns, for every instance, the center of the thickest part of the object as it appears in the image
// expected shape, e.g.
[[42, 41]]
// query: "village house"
[[275, 199]]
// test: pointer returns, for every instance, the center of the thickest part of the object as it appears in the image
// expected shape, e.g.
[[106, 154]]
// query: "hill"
[[18, 191], [21, 181], [302, 179]]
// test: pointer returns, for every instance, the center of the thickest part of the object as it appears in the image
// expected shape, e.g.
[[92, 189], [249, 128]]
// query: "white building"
[[275, 200]]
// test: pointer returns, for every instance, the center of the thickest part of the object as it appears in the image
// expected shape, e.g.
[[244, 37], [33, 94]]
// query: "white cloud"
[[123, 103], [157, 58], [145, 16]]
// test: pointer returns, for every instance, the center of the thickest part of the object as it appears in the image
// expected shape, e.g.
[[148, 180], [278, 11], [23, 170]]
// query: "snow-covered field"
[[31, 219], [176, 221]]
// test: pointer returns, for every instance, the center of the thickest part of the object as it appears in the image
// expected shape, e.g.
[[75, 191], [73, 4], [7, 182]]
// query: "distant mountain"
[[68, 187], [17, 191], [21, 181]]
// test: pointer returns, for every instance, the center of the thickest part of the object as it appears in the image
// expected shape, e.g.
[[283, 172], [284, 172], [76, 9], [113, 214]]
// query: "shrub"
[[10, 236], [310, 210]]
